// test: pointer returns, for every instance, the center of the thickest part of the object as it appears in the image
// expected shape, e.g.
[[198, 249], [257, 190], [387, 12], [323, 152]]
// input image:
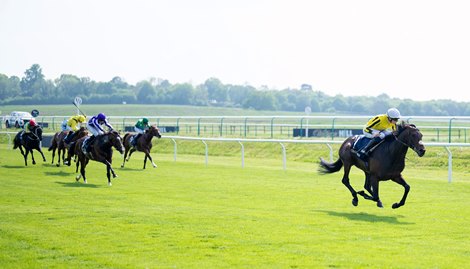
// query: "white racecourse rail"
[[303, 141], [281, 142]]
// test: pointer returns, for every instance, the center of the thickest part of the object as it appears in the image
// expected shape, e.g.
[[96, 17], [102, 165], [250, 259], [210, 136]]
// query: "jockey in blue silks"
[[94, 126]]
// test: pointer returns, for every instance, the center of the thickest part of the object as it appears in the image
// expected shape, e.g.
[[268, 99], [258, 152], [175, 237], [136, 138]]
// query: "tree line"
[[34, 88]]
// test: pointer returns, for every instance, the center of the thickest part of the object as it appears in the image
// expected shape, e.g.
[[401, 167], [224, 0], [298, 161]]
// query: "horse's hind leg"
[[400, 180], [345, 180], [53, 155]]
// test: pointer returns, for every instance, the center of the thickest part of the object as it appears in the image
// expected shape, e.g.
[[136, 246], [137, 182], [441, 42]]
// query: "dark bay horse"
[[144, 144], [29, 141], [386, 162], [101, 151], [57, 143], [69, 147]]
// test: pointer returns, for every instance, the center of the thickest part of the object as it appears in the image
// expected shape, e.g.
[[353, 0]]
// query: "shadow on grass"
[[365, 217], [14, 166], [77, 185], [59, 173]]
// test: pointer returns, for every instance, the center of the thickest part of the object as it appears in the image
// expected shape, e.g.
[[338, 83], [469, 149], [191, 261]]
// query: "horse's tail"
[[16, 141], [328, 168], [53, 144]]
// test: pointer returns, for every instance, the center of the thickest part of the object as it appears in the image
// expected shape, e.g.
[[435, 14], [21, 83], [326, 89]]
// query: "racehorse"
[[58, 144], [386, 162], [29, 141], [144, 144], [101, 151], [69, 146]]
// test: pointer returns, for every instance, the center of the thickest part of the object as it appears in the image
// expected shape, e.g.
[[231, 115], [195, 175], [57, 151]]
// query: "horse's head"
[[116, 140], [410, 136], [154, 131]]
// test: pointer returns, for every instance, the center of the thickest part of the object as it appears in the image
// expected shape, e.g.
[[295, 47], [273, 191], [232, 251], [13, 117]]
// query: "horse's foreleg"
[[82, 170], [42, 154], [346, 183], [147, 155], [108, 174], [32, 155], [125, 155], [400, 180], [108, 164]]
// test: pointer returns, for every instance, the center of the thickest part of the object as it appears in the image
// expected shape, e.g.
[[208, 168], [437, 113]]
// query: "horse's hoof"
[[396, 205], [77, 178], [355, 201], [57, 165], [110, 184], [85, 181], [379, 204]]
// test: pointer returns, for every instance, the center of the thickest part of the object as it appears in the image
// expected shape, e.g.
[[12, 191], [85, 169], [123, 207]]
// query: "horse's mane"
[[403, 126]]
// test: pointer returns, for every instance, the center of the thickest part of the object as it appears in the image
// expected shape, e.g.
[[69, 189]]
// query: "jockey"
[[94, 126], [73, 125], [377, 128], [139, 128], [28, 127]]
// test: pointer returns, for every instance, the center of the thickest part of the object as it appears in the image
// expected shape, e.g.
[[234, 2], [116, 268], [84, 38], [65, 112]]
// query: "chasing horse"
[[30, 138], [386, 161], [99, 150], [143, 143], [66, 142]]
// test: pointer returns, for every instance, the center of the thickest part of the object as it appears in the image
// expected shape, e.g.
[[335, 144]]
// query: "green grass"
[[185, 214]]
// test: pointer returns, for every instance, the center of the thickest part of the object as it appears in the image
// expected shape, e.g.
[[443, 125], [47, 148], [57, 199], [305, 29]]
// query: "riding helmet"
[[393, 113], [145, 120], [81, 118], [101, 116], [32, 122]]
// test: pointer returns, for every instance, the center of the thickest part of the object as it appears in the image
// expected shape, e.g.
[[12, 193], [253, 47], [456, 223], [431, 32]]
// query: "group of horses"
[[386, 161], [100, 149]]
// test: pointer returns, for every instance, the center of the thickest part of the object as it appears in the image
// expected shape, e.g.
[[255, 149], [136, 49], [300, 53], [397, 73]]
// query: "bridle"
[[397, 138]]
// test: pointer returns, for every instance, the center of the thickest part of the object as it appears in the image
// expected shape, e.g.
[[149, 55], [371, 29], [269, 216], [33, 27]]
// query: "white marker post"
[[308, 110]]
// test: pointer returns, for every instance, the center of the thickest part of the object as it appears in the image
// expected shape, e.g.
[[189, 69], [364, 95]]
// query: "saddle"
[[360, 142]]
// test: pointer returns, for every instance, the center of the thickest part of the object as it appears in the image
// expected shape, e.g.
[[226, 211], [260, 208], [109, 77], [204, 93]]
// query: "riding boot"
[[364, 152], [134, 141], [68, 137]]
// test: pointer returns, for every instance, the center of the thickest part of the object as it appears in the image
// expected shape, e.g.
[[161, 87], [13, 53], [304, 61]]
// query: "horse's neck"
[[147, 137], [397, 149]]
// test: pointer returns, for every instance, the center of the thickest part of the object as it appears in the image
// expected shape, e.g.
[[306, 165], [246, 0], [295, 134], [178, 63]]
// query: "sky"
[[407, 49]]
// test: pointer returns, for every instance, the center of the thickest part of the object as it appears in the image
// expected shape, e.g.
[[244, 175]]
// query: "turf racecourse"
[[187, 215]]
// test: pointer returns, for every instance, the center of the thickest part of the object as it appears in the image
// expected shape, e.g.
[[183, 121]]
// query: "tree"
[[145, 92], [33, 81], [216, 90]]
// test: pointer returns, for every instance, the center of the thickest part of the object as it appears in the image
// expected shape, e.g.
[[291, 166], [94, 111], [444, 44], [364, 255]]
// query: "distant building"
[[306, 87]]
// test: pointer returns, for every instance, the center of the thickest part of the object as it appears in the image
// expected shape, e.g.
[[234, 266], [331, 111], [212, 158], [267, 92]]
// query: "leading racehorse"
[[101, 151], [386, 162], [144, 144], [29, 141]]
